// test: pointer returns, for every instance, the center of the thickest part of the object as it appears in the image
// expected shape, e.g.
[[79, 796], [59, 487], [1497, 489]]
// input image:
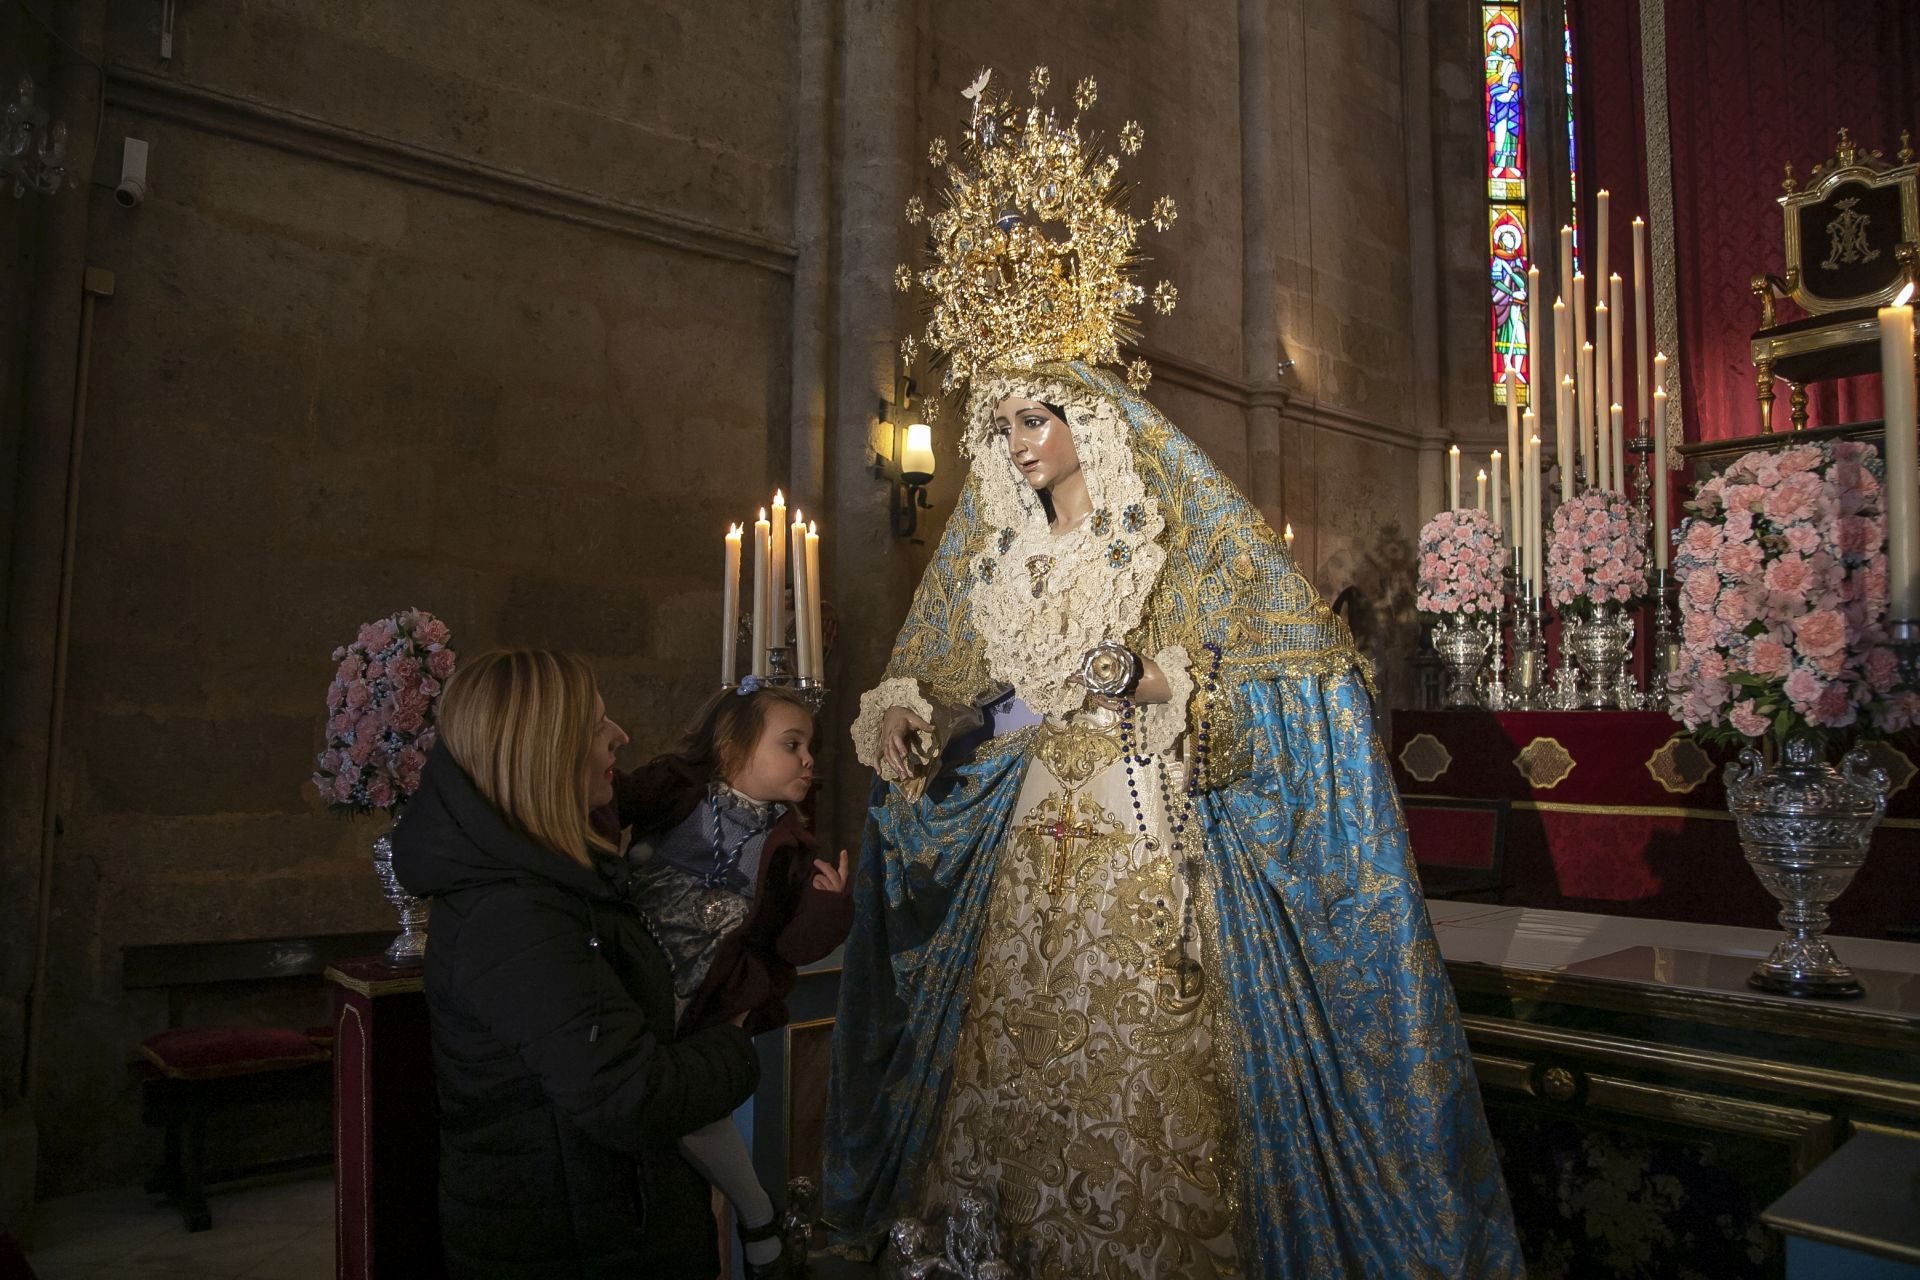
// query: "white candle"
[[1513, 409], [1641, 373], [1601, 202], [777, 562], [802, 637], [1600, 385], [1533, 517], [730, 608], [1533, 332], [1903, 474], [1453, 477], [760, 619], [1559, 349], [1566, 261], [1583, 416], [1616, 343], [1581, 370], [1480, 490], [813, 602], [1660, 478], [1617, 442], [1563, 408], [1498, 523]]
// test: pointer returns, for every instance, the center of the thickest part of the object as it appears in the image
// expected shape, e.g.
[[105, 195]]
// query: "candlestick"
[[1601, 423], [1453, 477], [802, 637], [760, 619], [1660, 479], [1498, 523], [1563, 412], [777, 569], [813, 603], [1641, 373], [1903, 474], [1602, 201], [730, 607]]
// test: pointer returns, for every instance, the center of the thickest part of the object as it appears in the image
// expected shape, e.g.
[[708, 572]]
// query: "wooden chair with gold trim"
[[1851, 237]]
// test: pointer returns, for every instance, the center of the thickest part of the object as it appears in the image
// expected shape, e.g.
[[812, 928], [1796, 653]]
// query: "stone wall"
[[505, 311]]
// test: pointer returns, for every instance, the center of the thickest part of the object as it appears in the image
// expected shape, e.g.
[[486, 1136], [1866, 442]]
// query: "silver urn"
[[1805, 826], [410, 947], [1600, 647], [1463, 646]]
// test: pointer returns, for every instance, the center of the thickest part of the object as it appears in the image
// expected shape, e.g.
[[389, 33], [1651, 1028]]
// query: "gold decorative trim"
[[1544, 763], [376, 987], [1903, 178], [1679, 765], [1495, 1071], [1876, 1246], [1660, 221], [1834, 337], [1425, 757], [786, 1081], [1808, 1135]]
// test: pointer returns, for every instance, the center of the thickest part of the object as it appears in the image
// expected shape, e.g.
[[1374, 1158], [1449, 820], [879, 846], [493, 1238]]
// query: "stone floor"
[[280, 1229]]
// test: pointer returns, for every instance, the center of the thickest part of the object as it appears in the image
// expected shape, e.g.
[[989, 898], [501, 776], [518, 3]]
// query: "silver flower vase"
[[1805, 826], [410, 947], [1600, 648], [1463, 647]]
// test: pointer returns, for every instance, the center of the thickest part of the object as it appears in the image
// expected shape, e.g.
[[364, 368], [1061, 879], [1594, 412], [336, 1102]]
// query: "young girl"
[[725, 875]]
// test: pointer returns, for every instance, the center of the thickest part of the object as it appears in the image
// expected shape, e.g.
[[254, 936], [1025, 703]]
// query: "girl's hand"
[[829, 879], [894, 731]]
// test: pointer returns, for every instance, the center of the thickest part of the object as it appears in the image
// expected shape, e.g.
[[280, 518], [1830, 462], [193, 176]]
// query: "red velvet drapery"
[[1750, 86]]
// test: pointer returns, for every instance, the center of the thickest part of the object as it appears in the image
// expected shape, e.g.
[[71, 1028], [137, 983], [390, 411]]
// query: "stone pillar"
[[1260, 204], [35, 546], [869, 572], [812, 235]]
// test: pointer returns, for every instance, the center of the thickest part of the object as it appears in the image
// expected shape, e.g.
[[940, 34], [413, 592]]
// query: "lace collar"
[[743, 811]]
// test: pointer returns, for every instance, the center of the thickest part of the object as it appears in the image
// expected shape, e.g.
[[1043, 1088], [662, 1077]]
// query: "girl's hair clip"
[[750, 684]]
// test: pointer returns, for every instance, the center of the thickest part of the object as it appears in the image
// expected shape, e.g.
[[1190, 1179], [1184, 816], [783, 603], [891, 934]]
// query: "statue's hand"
[[895, 743]]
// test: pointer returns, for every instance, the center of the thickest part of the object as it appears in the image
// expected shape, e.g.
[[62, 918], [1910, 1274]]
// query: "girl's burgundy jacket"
[[790, 924]]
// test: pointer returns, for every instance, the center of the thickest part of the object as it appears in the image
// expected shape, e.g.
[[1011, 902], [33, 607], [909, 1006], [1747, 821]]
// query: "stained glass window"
[[1508, 253], [1573, 150]]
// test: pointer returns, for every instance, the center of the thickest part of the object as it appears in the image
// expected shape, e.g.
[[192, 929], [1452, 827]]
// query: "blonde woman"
[[563, 1089]]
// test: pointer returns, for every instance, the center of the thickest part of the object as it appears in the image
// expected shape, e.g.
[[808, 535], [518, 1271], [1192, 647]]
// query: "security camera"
[[133, 173]]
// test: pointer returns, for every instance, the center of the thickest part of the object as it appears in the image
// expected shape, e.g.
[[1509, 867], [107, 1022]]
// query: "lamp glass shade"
[[916, 455]]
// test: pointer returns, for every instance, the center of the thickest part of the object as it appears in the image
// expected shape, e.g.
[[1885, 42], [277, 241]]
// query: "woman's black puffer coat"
[[562, 1090]]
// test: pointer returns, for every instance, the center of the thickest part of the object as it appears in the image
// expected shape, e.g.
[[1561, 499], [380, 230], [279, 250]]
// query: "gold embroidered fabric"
[[1084, 1094], [1544, 763]]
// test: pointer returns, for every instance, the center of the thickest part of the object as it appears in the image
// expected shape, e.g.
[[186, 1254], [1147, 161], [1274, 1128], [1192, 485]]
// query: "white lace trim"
[[1097, 578], [900, 691], [1162, 723]]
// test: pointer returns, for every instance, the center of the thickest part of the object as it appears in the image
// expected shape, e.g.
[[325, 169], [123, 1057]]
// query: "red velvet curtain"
[[1750, 86]]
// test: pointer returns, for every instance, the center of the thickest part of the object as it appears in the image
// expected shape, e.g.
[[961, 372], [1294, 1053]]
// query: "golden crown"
[[1033, 251]]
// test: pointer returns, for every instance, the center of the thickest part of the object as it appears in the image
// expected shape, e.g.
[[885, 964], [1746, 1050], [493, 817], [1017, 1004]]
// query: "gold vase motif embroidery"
[[1084, 1096]]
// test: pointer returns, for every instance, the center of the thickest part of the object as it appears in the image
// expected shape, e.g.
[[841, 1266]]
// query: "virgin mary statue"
[[1138, 955]]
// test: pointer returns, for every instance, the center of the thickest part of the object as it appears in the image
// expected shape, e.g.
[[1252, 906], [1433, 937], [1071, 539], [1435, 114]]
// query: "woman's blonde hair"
[[521, 722]]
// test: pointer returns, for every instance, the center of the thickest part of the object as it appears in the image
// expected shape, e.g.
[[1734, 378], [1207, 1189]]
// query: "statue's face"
[[1039, 444]]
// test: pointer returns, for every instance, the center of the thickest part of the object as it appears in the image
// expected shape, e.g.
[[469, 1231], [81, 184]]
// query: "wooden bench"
[[191, 1073]]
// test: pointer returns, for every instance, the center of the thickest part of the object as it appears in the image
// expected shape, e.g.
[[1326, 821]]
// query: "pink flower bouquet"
[[1782, 573], [380, 712], [1460, 566], [1595, 558]]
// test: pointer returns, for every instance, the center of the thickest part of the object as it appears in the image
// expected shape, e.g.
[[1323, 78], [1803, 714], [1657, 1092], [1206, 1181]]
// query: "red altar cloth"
[[1614, 812]]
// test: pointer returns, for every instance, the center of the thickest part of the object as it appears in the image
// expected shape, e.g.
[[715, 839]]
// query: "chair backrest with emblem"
[[1851, 230]]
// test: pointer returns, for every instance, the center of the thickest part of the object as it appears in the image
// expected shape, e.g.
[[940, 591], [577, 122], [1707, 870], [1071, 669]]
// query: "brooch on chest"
[[1038, 567]]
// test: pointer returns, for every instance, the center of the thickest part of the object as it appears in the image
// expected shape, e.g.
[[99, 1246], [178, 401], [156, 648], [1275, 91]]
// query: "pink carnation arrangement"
[[380, 712], [1460, 565], [1595, 557], [1782, 571]]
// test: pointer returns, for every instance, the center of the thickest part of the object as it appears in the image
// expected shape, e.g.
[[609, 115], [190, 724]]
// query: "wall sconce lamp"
[[913, 447]]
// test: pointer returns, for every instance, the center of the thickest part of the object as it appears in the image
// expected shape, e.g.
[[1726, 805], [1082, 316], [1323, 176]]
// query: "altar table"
[[1617, 812]]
